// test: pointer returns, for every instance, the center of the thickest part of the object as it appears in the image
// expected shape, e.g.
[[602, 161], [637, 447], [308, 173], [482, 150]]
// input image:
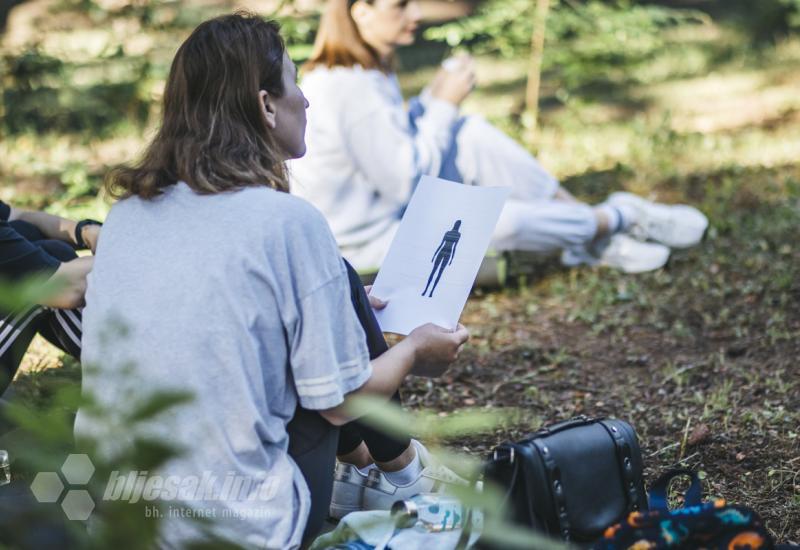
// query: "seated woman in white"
[[366, 151]]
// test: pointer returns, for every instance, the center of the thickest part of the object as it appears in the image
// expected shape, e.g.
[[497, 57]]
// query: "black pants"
[[60, 327], [314, 443], [382, 447]]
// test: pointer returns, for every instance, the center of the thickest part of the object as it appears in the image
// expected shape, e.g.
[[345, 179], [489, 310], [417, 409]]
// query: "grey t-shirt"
[[241, 299]]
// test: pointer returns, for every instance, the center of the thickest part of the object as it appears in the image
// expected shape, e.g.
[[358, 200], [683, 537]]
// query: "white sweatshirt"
[[365, 156]]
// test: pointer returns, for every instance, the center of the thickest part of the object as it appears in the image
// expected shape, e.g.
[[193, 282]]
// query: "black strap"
[[507, 453], [658, 490], [502, 453], [556, 487], [625, 461]]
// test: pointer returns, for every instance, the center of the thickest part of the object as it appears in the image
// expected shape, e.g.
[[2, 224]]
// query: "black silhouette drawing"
[[443, 256]]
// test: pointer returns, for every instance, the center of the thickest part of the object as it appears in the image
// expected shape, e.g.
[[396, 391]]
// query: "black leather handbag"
[[571, 480]]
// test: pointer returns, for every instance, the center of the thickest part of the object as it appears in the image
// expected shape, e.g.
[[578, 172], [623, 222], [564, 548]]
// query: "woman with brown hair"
[[366, 151], [232, 289]]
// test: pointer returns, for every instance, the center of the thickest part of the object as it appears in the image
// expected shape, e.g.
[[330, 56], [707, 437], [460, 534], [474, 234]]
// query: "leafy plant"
[[488, 501], [768, 20], [585, 40]]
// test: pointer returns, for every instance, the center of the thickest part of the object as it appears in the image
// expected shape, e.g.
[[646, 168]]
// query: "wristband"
[[79, 230]]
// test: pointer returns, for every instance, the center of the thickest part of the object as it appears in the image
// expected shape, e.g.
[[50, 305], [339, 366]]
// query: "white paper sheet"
[[444, 235]]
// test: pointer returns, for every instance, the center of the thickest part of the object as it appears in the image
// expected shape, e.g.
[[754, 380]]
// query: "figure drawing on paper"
[[443, 256]]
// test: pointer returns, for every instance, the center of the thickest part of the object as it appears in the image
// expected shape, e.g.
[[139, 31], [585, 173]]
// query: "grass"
[[710, 341], [707, 342]]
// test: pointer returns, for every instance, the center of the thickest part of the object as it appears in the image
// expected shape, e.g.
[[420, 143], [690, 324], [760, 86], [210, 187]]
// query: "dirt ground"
[[684, 355], [700, 357]]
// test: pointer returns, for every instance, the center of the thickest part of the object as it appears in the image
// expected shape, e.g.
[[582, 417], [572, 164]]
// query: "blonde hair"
[[213, 135]]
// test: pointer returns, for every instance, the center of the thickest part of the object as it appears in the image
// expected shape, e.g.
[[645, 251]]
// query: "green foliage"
[[56, 91], [792, 11], [767, 20], [18, 295], [43, 93], [98, 108], [98, 96], [489, 501], [42, 441], [585, 41], [298, 32]]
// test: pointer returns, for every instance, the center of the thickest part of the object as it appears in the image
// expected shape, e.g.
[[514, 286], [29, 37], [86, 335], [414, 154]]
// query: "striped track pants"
[[60, 327]]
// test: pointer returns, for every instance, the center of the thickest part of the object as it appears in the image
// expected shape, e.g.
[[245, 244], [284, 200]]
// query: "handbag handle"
[[658, 490], [581, 420]]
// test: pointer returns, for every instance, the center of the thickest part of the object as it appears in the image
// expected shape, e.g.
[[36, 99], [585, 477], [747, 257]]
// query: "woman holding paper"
[[206, 213], [366, 152]]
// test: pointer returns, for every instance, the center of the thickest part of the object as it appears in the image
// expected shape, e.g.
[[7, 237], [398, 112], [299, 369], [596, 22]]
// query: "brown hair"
[[338, 42], [213, 135]]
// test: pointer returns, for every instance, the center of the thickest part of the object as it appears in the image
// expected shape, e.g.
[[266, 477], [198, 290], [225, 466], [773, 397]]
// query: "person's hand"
[[455, 80], [436, 348], [376, 303], [69, 281], [90, 234]]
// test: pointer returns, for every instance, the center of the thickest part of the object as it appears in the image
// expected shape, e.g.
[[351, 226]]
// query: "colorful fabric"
[[709, 525]]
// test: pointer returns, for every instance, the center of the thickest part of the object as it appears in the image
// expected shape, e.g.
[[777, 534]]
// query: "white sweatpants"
[[532, 220]]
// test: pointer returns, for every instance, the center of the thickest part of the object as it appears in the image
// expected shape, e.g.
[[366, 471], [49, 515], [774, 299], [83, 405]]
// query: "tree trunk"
[[535, 70]]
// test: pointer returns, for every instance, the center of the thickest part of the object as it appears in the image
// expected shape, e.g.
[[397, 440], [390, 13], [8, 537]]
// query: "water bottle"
[[5, 469], [434, 512]]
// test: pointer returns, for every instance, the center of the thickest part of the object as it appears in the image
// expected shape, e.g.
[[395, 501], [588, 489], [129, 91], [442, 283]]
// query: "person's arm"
[[390, 155], [328, 353], [56, 227], [20, 259], [427, 351], [453, 254], [53, 227]]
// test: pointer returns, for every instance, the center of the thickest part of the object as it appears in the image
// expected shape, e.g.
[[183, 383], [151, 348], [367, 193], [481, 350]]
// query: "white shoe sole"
[[684, 225], [641, 267], [625, 253]]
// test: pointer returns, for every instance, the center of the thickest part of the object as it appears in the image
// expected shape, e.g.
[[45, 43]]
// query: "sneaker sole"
[[642, 258], [638, 269], [693, 221]]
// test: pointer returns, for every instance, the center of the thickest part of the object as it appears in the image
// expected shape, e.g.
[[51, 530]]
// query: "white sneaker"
[[348, 490], [675, 225], [380, 493], [618, 251]]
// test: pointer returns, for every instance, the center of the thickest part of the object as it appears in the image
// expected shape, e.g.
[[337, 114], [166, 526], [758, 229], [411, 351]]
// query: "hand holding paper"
[[437, 348], [436, 254]]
